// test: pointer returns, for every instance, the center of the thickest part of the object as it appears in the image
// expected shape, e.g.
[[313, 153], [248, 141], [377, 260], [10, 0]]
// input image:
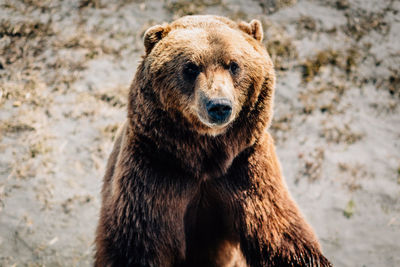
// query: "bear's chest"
[[211, 239]]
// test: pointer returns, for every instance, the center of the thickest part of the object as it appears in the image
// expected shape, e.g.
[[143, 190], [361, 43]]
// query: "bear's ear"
[[153, 35], [254, 28]]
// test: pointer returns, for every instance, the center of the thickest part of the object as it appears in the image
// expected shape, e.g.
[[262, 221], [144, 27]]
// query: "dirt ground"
[[65, 68]]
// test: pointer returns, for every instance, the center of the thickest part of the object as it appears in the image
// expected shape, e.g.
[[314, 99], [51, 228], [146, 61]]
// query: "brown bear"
[[193, 179]]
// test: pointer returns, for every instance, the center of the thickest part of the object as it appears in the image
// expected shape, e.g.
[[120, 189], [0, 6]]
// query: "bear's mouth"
[[219, 110], [215, 113], [216, 123], [213, 125]]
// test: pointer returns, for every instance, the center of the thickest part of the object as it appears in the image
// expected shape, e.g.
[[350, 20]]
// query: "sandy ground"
[[65, 68]]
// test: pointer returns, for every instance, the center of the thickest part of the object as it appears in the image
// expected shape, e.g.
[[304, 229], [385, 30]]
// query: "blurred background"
[[65, 70]]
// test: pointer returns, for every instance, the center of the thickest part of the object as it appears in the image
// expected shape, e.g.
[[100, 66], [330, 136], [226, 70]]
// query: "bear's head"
[[210, 72]]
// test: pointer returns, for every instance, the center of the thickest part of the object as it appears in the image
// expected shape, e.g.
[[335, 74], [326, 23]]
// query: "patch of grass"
[[24, 170], [280, 45], [306, 23], [70, 204], [181, 8], [84, 41], [280, 126], [349, 210], [113, 100], [346, 60], [91, 3], [22, 40], [341, 134], [15, 128], [43, 5], [312, 164], [311, 67], [28, 88], [22, 44], [239, 15], [271, 6], [394, 83], [38, 148], [324, 98], [29, 29], [360, 23], [111, 130], [351, 59], [342, 4], [398, 175], [281, 51], [352, 173]]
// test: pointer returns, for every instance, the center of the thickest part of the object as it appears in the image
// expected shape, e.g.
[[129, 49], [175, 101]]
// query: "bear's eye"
[[191, 71], [234, 68]]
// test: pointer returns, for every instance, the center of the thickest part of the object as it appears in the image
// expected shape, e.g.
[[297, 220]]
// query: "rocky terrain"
[[65, 70]]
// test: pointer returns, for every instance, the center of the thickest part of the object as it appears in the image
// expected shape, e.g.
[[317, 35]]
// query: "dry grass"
[[398, 175], [280, 46], [342, 4], [360, 23], [311, 164], [271, 6], [394, 83], [345, 60], [93, 47], [281, 126], [340, 134], [349, 210], [324, 98], [352, 175], [115, 98], [69, 204], [91, 3], [110, 130], [181, 8]]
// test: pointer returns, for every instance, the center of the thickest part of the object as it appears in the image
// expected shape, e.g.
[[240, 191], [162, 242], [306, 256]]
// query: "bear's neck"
[[167, 142]]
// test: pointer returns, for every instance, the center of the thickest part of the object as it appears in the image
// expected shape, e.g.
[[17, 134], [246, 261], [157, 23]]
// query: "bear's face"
[[206, 69]]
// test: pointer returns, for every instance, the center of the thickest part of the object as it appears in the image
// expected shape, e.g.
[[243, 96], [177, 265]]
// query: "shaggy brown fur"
[[181, 190]]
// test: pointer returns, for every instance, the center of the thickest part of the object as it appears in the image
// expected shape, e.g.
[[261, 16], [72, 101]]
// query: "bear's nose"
[[219, 110]]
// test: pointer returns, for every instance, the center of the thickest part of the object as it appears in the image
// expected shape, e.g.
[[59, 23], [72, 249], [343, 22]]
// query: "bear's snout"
[[219, 110]]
